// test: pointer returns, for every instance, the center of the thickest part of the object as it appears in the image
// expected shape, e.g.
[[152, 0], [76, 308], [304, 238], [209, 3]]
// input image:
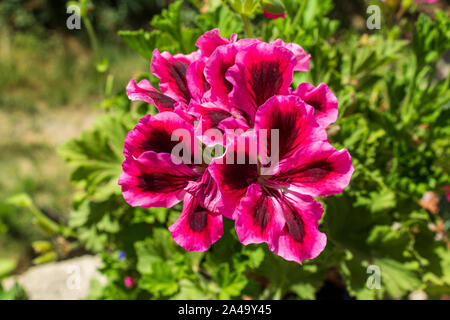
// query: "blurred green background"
[[48, 87]]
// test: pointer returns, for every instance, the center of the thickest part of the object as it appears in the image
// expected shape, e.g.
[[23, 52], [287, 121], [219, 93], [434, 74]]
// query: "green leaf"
[[160, 247], [97, 155], [161, 282], [231, 284], [222, 18], [398, 278], [305, 290], [189, 290], [45, 258], [7, 266], [15, 293], [169, 22], [141, 41]]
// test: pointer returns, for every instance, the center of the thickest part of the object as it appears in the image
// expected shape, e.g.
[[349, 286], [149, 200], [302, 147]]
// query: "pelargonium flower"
[[278, 208], [151, 177], [226, 92]]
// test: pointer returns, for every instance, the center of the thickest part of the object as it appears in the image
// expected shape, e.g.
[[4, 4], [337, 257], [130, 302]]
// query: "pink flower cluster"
[[236, 85]]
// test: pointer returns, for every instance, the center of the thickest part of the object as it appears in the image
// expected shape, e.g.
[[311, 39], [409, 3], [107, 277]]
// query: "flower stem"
[[248, 30], [299, 14], [92, 38]]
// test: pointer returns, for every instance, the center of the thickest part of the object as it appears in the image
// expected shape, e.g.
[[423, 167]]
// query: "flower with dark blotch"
[[273, 154], [277, 208]]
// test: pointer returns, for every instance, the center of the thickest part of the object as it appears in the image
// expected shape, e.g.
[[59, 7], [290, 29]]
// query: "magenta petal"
[[233, 123], [153, 180], [144, 91], [185, 58], [317, 170], [171, 70], [210, 40], [206, 192], [274, 16], [260, 72], [196, 229], [211, 114], [300, 238], [322, 100], [294, 121], [196, 80], [259, 218], [217, 66], [182, 110], [302, 59], [232, 127], [155, 134], [234, 172]]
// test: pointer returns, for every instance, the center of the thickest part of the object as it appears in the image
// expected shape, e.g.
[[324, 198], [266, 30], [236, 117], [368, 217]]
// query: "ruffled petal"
[[317, 170], [206, 192], [322, 100], [259, 218], [153, 180], [302, 59], [171, 70], [300, 239], [196, 228], [217, 66], [260, 72], [155, 134], [217, 121], [294, 121], [211, 114], [235, 171], [196, 80], [210, 40], [144, 91]]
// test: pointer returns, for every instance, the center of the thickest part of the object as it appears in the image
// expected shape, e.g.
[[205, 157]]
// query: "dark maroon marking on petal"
[[162, 182], [197, 216], [308, 173], [158, 139], [215, 116], [316, 104], [206, 85], [178, 72], [239, 176], [223, 69], [294, 223], [315, 171], [265, 81], [161, 100], [262, 211], [205, 192], [287, 124]]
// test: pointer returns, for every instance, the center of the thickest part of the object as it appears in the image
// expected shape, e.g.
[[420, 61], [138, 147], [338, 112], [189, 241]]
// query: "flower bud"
[[273, 9]]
